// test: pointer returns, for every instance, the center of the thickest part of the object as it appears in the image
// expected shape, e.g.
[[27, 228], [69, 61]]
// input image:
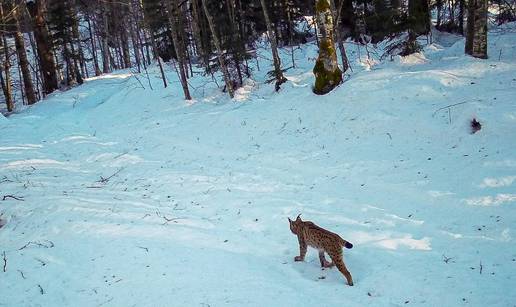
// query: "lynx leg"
[[302, 250], [337, 259], [324, 263]]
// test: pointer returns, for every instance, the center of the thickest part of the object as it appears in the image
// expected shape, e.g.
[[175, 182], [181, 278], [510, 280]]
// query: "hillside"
[[128, 196]]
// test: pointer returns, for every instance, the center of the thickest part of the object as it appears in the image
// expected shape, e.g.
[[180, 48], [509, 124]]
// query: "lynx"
[[323, 240]]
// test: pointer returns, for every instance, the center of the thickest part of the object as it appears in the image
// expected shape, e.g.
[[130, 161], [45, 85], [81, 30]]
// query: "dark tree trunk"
[[476, 35], [44, 45], [22, 60], [278, 73], [106, 67], [220, 54], [178, 46]]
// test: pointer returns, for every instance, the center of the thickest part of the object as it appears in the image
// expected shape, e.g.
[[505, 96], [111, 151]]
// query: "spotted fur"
[[309, 234]]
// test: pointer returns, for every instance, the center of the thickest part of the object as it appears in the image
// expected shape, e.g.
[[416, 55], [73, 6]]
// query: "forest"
[[48, 45]]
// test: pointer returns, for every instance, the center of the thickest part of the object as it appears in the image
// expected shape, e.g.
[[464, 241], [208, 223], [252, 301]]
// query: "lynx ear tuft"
[[290, 221], [298, 217]]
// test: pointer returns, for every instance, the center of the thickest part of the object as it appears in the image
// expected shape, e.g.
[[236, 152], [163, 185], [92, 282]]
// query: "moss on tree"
[[326, 70]]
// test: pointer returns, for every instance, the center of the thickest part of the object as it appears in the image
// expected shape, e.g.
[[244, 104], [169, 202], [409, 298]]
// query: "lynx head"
[[295, 225]]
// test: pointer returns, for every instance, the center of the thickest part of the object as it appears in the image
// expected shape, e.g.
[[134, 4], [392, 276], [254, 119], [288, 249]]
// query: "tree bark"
[[476, 34], [178, 46], [37, 10], [280, 79], [480, 32], [6, 83], [22, 60], [327, 72], [220, 55], [93, 48], [106, 67], [338, 35]]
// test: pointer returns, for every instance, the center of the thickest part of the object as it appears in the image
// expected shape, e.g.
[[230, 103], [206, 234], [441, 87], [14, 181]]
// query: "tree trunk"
[[220, 55], [327, 72], [470, 28], [93, 48], [76, 38], [196, 29], [462, 4], [178, 46], [22, 60], [480, 36], [44, 45], [105, 40], [419, 17], [132, 21], [476, 35], [6, 84], [338, 34], [280, 79]]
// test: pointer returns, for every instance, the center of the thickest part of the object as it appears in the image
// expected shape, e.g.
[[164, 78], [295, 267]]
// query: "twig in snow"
[[75, 101], [451, 105], [481, 267], [5, 262], [120, 155], [109, 300], [446, 259], [390, 136], [145, 248], [167, 220], [137, 79], [47, 244], [5, 179], [106, 179], [41, 290], [43, 263], [19, 198], [22, 275]]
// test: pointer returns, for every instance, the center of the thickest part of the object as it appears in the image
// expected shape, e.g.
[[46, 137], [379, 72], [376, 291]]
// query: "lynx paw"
[[298, 258]]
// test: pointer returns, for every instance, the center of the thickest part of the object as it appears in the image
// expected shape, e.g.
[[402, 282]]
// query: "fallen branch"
[[106, 180], [49, 244], [145, 248], [167, 220], [5, 179], [22, 275], [19, 198], [5, 262], [452, 105], [446, 259]]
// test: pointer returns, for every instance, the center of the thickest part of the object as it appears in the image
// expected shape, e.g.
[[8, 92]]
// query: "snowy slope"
[[131, 197]]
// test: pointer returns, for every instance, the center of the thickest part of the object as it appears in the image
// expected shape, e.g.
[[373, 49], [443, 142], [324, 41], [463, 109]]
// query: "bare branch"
[[5, 262], [19, 198]]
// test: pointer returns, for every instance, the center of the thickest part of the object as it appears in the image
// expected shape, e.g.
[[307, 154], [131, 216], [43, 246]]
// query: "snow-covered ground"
[[128, 196]]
